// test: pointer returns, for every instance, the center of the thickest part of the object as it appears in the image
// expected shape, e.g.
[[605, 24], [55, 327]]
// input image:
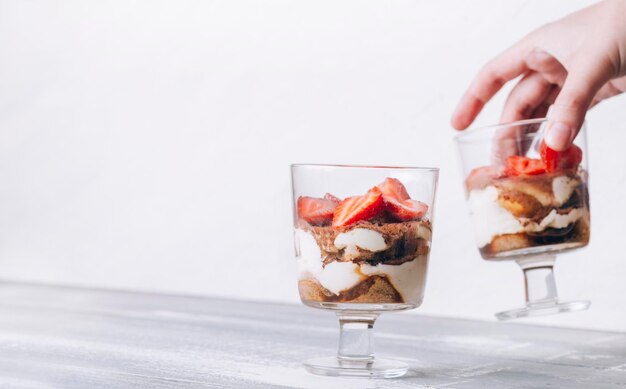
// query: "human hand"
[[572, 64]]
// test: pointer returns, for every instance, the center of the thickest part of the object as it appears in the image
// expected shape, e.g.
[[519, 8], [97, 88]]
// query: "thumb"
[[568, 112]]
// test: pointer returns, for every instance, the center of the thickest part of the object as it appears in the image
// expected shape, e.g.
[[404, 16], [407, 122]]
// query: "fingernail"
[[558, 136]]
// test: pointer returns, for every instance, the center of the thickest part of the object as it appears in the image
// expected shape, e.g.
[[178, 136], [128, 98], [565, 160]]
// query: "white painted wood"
[[53, 337]]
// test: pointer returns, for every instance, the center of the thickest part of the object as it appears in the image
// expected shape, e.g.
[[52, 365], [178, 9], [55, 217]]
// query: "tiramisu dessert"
[[369, 249], [530, 205]]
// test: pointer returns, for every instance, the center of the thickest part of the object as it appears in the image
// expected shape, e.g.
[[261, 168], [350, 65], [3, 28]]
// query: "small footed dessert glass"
[[527, 203], [362, 241]]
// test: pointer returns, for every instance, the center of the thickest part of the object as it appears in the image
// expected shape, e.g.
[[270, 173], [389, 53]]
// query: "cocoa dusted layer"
[[372, 290], [402, 240]]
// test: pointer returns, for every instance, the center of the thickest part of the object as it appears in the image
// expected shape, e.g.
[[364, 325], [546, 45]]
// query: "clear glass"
[[361, 269], [529, 217]]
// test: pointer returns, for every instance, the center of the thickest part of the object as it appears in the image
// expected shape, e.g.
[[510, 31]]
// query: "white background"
[[146, 145]]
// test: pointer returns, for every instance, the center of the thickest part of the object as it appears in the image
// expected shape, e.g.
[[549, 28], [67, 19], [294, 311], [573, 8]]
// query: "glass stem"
[[539, 279], [356, 338]]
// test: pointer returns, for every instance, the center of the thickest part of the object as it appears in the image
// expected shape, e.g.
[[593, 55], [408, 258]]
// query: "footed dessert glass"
[[362, 242], [527, 203]]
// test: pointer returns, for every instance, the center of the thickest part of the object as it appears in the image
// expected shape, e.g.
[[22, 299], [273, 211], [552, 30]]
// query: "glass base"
[[541, 309], [533, 251], [377, 368], [361, 307]]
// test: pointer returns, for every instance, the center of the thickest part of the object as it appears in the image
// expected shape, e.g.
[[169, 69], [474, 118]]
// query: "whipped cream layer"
[[362, 238], [490, 219], [408, 278]]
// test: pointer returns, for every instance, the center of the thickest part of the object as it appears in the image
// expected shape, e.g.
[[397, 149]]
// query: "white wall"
[[145, 145]]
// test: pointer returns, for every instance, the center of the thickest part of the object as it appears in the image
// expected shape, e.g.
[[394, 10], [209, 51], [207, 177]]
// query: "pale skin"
[[572, 64]]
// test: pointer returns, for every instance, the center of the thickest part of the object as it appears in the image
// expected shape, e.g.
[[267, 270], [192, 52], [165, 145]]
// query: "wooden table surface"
[[57, 337]]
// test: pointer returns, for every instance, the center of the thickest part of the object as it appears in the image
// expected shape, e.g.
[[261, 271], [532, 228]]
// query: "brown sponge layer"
[[578, 232], [373, 290]]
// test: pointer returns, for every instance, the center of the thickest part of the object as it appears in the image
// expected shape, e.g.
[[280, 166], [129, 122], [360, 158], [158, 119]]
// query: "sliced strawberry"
[[398, 203], [480, 177], [560, 160], [406, 210], [393, 188], [332, 198], [316, 211], [517, 165], [354, 209]]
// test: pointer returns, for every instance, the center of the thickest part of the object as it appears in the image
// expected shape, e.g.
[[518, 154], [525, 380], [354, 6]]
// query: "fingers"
[[530, 98], [487, 83], [554, 93], [504, 144], [537, 90], [542, 110], [572, 104], [526, 97], [610, 89], [551, 69]]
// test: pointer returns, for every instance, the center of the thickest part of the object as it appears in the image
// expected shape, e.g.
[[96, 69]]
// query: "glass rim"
[[348, 166], [461, 138]]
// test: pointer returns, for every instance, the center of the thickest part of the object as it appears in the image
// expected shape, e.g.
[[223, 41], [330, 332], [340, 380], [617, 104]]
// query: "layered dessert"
[[368, 249], [530, 205]]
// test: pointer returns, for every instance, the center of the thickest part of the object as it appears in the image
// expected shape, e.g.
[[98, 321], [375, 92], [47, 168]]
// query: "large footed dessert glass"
[[362, 240], [527, 203]]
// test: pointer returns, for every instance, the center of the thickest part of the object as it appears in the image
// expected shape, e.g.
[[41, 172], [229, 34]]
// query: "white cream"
[[555, 220], [339, 276], [488, 217], [360, 238], [308, 253], [408, 279], [491, 219], [563, 187]]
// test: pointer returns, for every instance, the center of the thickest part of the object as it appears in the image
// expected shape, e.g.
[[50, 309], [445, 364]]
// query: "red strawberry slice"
[[330, 197], [560, 160], [517, 165], [406, 210], [393, 188], [398, 203], [354, 209], [316, 211]]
